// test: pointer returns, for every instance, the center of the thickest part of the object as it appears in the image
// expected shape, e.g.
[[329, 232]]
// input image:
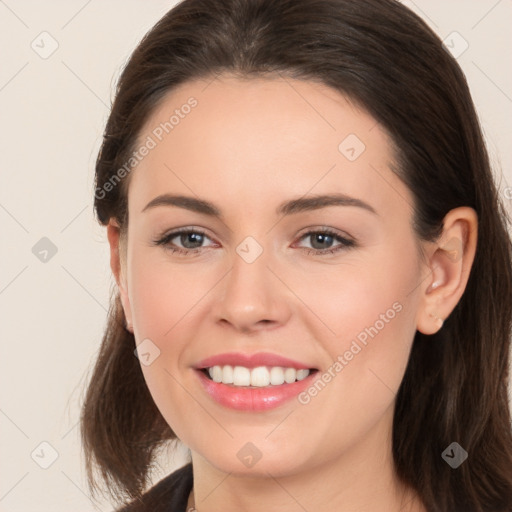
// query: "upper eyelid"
[[325, 229]]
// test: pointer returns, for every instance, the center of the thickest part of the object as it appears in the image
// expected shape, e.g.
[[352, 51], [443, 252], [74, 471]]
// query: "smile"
[[253, 382], [261, 376]]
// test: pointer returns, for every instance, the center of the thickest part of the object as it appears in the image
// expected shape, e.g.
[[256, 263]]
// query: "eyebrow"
[[290, 207]]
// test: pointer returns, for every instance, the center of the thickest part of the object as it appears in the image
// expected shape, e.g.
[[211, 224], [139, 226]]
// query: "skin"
[[246, 147]]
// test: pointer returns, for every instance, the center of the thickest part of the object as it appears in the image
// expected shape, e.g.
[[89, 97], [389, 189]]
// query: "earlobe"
[[116, 264], [449, 268]]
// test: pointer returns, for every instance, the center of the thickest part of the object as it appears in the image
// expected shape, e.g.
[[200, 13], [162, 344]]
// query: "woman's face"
[[258, 277]]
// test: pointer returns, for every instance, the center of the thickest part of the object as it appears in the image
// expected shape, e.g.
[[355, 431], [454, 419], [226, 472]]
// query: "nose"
[[252, 297]]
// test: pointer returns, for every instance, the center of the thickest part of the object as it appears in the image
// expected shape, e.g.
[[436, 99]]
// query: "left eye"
[[326, 237], [192, 240]]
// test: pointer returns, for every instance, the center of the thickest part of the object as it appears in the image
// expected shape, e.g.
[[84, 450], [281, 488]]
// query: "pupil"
[[193, 237], [322, 238]]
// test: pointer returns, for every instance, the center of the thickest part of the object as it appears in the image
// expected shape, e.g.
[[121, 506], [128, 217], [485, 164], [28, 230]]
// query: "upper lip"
[[251, 360]]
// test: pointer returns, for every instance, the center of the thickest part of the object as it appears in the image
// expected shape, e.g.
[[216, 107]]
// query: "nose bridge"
[[252, 295]]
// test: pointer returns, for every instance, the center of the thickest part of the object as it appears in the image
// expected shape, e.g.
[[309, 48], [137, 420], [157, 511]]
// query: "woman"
[[312, 267]]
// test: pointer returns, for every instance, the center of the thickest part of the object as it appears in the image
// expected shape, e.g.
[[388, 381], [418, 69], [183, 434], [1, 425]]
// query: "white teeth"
[[289, 375], [260, 376], [302, 374], [217, 374], [227, 374], [276, 376], [241, 376]]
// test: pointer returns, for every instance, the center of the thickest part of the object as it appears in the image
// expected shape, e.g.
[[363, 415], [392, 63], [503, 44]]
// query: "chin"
[[249, 461]]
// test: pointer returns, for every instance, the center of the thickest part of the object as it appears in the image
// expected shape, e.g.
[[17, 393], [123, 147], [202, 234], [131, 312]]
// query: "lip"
[[253, 399], [251, 361]]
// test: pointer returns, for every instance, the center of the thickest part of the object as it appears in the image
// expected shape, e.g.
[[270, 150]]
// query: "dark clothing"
[[168, 495]]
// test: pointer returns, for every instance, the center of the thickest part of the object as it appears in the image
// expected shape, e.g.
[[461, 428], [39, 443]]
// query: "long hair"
[[389, 62]]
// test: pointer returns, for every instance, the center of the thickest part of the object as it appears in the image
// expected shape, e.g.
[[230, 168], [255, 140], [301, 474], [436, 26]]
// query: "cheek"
[[164, 300], [161, 294], [367, 313]]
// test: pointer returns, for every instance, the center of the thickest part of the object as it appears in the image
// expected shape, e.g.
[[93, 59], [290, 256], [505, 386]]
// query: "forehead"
[[262, 138]]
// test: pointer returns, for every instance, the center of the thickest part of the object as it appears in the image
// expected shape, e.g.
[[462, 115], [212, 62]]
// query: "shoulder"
[[168, 495]]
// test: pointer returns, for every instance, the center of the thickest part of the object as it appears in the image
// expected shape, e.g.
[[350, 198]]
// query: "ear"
[[118, 266], [449, 265]]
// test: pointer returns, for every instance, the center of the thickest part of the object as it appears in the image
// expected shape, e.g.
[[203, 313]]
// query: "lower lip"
[[253, 399]]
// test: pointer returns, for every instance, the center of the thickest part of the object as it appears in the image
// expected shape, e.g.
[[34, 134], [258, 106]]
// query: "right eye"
[[185, 236]]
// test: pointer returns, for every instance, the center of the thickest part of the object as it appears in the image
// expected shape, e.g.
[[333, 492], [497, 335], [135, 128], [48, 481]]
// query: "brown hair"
[[387, 60]]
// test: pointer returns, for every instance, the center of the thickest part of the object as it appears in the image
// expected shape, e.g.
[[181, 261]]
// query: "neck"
[[362, 478]]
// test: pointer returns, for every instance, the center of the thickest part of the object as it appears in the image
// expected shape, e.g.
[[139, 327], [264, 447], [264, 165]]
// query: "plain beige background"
[[53, 110]]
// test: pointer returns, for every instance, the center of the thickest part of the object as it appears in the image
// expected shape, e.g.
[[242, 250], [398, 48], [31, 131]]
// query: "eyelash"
[[345, 242]]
